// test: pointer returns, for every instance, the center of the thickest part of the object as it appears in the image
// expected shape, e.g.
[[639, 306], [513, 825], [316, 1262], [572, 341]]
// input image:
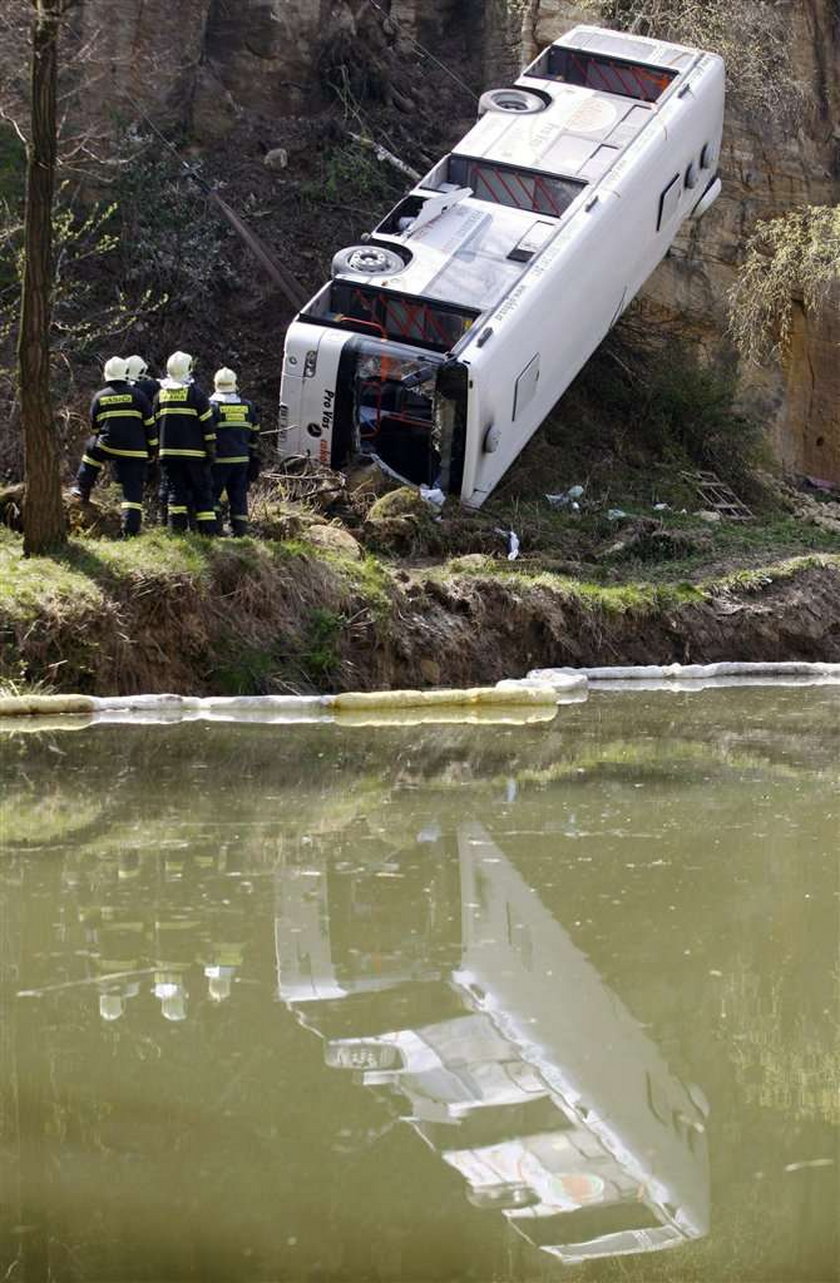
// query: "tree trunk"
[[44, 521]]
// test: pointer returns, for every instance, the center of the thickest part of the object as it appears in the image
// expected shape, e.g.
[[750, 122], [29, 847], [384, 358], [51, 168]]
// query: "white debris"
[[567, 499], [433, 495], [512, 542]]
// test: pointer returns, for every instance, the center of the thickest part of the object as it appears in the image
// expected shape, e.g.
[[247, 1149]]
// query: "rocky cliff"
[[207, 63], [781, 151]]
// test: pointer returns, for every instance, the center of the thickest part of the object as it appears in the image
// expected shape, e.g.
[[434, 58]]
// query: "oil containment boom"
[[441, 343]]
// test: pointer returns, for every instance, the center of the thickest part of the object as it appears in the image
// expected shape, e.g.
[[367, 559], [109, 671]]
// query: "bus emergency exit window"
[[597, 71]]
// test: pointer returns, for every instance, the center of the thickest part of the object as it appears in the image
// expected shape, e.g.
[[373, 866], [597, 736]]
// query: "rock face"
[[771, 163], [215, 57]]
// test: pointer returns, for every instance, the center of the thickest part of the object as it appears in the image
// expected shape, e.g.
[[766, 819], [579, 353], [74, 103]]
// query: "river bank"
[[287, 616]]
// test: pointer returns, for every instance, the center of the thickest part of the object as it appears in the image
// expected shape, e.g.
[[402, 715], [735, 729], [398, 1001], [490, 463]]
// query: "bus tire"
[[521, 102], [368, 260]]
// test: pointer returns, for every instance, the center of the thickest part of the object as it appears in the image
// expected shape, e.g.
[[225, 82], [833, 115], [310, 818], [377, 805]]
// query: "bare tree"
[[44, 520]]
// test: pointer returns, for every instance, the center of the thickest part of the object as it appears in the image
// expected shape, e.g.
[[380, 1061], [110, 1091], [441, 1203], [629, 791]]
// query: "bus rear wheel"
[[517, 101]]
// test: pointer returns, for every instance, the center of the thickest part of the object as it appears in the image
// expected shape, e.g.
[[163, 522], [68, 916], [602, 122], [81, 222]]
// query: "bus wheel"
[[521, 101], [370, 260]]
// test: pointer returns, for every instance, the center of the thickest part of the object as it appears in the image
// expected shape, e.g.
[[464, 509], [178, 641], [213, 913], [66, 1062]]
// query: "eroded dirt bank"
[[471, 629], [250, 618]]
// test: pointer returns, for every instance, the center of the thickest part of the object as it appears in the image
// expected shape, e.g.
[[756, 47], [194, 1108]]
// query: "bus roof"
[[517, 174]]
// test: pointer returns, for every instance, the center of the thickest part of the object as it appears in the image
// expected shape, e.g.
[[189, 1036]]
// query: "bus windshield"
[[393, 394]]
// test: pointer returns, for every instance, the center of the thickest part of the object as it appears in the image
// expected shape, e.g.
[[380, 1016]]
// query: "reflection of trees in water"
[[52, 819], [783, 1061], [723, 729]]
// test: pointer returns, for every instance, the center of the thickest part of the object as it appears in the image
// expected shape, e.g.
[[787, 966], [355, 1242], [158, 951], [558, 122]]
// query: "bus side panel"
[[595, 268], [693, 124], [559, 317], [308, 390]]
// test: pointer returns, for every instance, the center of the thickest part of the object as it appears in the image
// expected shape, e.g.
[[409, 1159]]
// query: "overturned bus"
[[442, 342]]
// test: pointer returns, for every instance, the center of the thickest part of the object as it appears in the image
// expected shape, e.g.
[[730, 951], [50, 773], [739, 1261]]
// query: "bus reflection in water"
[[498, 1043], [442, 342]]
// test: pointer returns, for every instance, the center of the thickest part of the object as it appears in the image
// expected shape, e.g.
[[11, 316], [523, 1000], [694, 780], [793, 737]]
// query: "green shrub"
[[664, 402], [350, 174], [320, 655]]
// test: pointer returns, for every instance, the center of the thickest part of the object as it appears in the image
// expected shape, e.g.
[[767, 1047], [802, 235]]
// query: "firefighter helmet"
[[179, 366], [116, 369]]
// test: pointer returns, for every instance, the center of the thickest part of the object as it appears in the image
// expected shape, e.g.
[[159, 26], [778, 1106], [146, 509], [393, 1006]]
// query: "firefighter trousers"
[[189, 492], [233, 478], [131, 478]]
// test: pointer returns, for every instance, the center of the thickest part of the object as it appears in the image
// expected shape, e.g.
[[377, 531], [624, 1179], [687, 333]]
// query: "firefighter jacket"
[[148, 386], [123, 421], [184, 419], [237, 427]]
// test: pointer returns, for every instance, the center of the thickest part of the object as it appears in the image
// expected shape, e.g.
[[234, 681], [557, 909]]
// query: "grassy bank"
[[254, 617], [181, 614]]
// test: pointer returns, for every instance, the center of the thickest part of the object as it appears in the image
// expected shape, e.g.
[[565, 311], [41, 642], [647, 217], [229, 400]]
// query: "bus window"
[[404, 318], [596, 71], [519, 188]]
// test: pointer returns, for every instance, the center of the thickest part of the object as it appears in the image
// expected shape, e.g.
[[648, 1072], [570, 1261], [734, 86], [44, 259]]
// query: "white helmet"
[[136, 367], [224, 380], [179, 366], [116, 369]]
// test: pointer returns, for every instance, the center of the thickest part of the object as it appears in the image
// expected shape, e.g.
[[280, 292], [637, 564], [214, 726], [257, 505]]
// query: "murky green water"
[[487, 1003]]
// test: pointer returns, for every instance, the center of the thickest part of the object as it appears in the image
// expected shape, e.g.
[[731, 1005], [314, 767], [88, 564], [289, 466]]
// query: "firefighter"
[[139, 377], [124, 435], [184, 418], [237, 460]]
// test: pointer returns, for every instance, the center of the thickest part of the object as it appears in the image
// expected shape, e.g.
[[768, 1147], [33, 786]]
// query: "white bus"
[[441, 344]]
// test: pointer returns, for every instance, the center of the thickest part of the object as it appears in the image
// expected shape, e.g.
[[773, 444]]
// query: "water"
[[427, 1004]]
